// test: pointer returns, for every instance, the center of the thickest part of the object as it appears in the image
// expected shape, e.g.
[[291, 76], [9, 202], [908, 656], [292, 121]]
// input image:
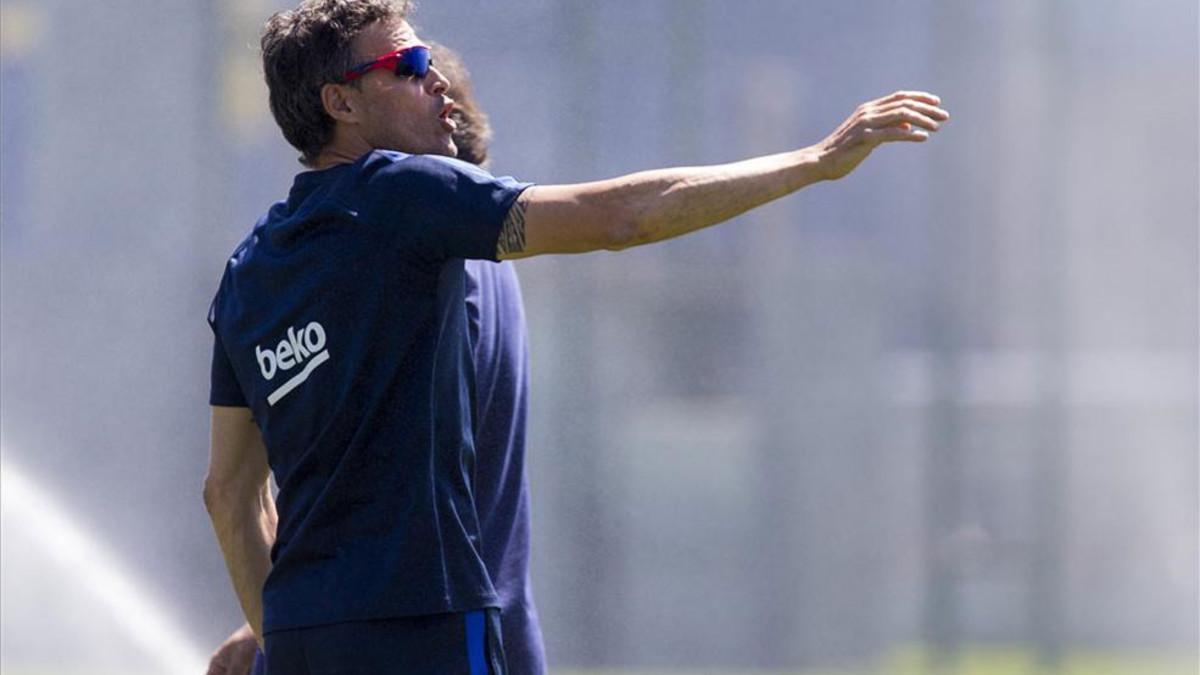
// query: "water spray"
[[97, 572]]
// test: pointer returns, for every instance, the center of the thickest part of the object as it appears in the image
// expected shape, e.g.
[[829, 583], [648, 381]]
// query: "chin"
[[451, 148], [443, 147]]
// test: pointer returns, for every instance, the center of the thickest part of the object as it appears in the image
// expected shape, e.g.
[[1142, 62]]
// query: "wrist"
[[811, 166]]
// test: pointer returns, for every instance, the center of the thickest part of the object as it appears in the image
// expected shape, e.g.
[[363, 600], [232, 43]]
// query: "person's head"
[[473, 133], [332, 93]]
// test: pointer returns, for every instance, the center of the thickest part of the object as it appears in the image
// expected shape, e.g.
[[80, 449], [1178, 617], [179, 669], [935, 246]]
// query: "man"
[[342, 348], [498, 338]]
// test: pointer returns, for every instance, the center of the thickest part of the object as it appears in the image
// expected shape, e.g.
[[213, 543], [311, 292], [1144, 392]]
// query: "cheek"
[[413, 113], [374, 114], [396, 113]]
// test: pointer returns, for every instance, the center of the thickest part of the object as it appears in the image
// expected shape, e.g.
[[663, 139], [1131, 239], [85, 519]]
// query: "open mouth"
[[445, 119]]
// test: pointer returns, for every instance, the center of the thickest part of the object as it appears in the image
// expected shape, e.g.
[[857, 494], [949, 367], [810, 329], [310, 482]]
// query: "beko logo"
[[305, 344]]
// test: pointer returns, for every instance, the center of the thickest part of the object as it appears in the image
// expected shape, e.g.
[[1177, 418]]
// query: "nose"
[[436, 82]]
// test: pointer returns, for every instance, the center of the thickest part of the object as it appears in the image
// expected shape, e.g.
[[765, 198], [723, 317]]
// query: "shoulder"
[[241, 256], [388, 165]]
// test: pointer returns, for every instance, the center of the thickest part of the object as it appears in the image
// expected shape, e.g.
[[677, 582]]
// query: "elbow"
[[210, 493], [620, 238], [217, 496], [626, 230], [232, 497]]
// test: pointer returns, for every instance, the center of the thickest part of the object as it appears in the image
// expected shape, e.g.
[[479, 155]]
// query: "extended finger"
[[922, 96], [899, 132], [929, 110], [898, 115]]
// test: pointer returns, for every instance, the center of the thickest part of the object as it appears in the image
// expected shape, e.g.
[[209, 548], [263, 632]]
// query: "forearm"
[[245, 528], [672, 202], [651, 206]]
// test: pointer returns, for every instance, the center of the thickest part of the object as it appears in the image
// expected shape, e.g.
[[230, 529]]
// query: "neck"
[[345, 148], [331, 158]]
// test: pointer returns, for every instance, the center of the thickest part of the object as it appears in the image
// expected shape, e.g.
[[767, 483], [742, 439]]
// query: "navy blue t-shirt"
[[341, 323], [497, 328]]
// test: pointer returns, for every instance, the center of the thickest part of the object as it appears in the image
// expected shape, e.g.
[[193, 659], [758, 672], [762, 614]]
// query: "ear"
[[340, 102]]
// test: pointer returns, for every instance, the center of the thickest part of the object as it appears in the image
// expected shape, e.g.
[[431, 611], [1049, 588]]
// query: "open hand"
[[903, 116]]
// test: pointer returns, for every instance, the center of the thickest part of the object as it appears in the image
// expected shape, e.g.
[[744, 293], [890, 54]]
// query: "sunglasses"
[[411, 61]]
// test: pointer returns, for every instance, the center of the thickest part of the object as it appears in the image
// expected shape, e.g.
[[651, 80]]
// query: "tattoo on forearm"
[[512, 232]]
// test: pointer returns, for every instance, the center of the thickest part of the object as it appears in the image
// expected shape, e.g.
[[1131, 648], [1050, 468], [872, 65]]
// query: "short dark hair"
[[304, 49], [473, 132]]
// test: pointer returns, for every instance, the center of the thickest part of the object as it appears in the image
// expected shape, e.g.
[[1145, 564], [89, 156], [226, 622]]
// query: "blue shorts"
[[438, 644]]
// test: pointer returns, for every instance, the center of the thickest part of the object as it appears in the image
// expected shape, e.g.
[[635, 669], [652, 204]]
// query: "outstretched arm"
[[652, 206], [237, 494]]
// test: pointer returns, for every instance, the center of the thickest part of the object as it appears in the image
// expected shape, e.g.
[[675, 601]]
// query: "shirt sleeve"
[[452, 209], [225, 389]]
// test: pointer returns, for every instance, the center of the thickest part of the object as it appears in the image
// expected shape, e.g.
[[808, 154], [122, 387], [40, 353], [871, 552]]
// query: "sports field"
[[989, 661], [982, 661]]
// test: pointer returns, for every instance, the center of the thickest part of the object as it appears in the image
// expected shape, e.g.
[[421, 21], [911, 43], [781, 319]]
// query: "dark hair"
[[308, 47], [474, 133]]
